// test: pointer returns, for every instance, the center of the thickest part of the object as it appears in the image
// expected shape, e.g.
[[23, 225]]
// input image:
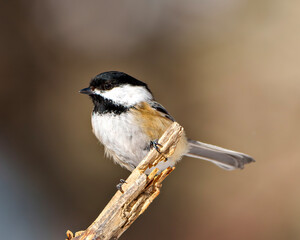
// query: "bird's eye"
[[107, 86], [92, 88]]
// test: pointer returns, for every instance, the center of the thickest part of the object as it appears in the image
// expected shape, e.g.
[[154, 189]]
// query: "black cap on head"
[[111, 79]]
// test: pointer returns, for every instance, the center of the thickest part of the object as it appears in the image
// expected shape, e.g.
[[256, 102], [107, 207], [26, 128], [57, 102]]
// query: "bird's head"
[[118, 88]]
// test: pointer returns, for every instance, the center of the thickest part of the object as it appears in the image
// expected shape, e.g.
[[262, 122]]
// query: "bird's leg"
[[120, 184], [156, 145]]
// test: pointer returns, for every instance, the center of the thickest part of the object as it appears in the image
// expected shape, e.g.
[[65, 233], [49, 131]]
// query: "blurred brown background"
[[228, 71]]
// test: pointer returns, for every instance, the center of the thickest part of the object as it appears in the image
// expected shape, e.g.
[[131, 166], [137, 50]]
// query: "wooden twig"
[[138, 193]]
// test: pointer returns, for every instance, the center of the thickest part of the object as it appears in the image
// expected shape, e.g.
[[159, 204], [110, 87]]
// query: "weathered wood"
[[138, 193]]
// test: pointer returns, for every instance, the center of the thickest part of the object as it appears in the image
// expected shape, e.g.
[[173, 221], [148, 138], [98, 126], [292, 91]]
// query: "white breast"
[[121, 135], [126, 142]]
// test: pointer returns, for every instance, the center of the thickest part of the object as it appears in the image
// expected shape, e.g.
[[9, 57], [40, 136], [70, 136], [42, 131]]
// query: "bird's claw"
[[120, 184], [156, 145]]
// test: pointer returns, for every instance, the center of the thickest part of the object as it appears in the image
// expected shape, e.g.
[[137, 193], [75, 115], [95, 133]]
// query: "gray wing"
[[157, 106], [224, 158]]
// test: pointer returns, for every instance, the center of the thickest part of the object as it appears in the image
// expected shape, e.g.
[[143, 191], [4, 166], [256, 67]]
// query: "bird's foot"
[[120, 184], [156, 145]]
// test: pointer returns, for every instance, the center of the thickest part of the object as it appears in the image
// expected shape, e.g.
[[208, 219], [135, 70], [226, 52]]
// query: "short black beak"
[[86, 91]]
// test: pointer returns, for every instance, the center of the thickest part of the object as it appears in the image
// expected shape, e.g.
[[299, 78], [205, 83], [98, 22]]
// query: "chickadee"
[[127, 120]]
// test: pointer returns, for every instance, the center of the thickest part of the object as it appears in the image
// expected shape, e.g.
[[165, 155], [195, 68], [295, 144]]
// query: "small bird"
[[128, 122]]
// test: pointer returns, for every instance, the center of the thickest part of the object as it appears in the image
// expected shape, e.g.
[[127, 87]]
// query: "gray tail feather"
[[224, 158]]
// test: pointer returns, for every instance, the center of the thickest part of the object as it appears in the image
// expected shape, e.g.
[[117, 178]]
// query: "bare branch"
[[138, 193]]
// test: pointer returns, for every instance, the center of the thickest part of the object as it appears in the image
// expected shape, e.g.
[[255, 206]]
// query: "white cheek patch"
[[98, 92], [126, 95]]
